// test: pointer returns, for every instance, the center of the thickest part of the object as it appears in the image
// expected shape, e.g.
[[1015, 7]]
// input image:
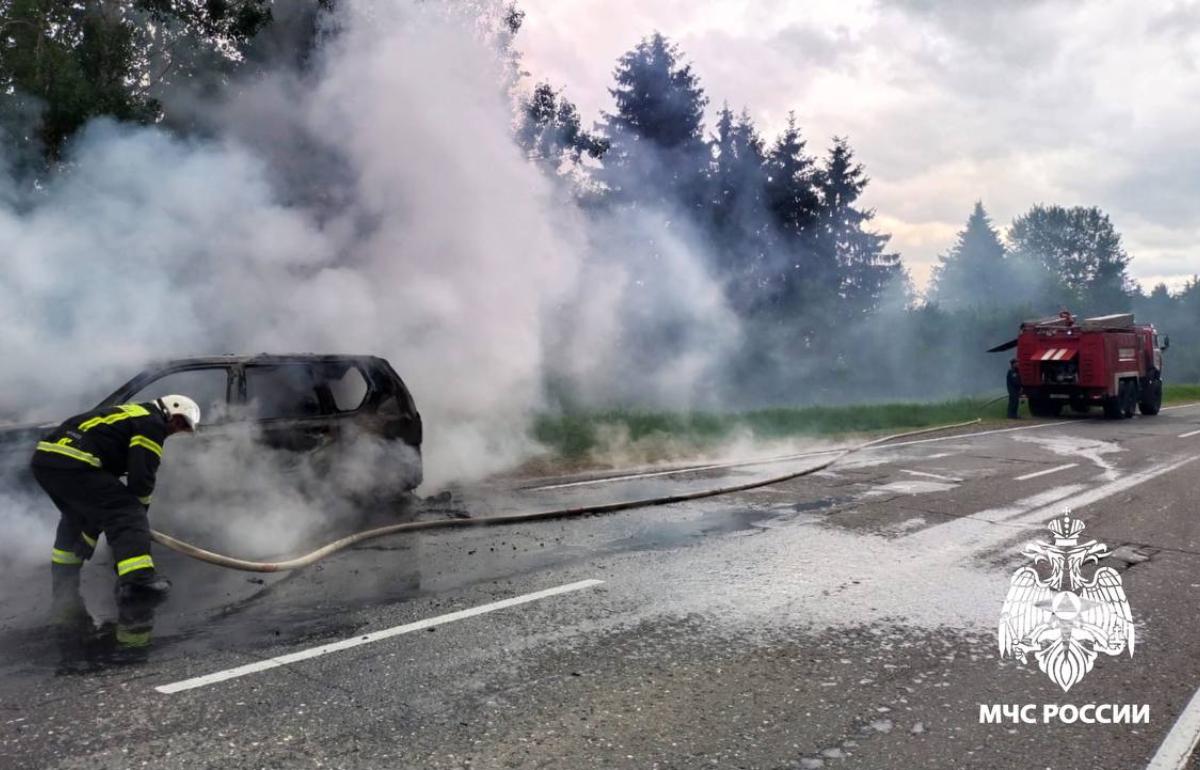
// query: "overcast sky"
[[1012, 102]]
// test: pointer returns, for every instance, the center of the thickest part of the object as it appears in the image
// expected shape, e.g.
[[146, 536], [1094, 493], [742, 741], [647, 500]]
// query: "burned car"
[[297, 403]]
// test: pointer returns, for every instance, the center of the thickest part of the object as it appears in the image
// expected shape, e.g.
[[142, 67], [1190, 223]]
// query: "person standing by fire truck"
[[1014, 389]]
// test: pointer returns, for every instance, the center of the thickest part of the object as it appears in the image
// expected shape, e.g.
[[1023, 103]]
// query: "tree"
[[975, 272], [864, 268], [657, 150], [1081, 251], [792, 194], [737, 172], [738, 219], [549, 130], [63, 63], [793, 203]]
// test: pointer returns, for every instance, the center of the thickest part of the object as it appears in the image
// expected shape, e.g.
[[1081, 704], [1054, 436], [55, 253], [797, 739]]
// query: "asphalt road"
[[841, 620]]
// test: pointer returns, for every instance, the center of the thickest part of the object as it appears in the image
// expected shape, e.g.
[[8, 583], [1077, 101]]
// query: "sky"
[[1010, 102]]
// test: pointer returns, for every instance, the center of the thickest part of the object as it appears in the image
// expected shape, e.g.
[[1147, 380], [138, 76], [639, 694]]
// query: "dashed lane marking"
[[1046, 472], [374, 636], [1189, 434], [932, 476]]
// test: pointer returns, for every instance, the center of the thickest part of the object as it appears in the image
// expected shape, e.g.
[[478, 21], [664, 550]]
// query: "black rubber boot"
[[143, 585], [135, 624], [64, 578], [65, 602]]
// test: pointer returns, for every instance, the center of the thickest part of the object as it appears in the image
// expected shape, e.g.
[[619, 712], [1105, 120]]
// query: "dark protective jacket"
[[123, 440], [1014, 382]]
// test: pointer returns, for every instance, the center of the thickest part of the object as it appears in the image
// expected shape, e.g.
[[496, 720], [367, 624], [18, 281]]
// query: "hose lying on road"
[[307, 559]]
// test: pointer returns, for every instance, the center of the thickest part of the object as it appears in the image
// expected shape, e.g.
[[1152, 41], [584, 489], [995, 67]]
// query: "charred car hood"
[[17, 442]]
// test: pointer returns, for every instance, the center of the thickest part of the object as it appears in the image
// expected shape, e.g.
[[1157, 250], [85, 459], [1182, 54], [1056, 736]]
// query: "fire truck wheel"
[[1128, 396], [1152, 399], [1112, 407]]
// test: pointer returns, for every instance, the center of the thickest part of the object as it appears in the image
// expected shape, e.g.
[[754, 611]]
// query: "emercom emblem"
[[1065, 621]]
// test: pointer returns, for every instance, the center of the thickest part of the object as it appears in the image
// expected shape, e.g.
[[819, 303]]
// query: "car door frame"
[[302, 433]]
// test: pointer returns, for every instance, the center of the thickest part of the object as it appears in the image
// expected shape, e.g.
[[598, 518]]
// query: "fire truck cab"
[[1107, 361]]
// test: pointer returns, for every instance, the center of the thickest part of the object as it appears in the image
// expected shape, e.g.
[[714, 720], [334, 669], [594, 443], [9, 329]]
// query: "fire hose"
[[221, 560]]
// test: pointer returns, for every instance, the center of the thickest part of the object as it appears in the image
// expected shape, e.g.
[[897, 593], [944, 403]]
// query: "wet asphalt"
[[841, 620]]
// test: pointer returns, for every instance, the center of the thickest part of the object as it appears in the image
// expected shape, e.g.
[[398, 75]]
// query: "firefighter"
[[79, 463], [1014, 389]]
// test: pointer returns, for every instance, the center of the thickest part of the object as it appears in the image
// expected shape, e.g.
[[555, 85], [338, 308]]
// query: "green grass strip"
[[574, 435]]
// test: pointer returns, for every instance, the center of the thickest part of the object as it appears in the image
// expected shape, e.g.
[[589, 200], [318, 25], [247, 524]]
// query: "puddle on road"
[[820, 505], [216, 609], [668, 533]]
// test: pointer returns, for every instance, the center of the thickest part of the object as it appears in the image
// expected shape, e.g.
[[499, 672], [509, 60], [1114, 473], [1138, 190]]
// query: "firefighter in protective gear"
[[79, 465], [1013, 382]]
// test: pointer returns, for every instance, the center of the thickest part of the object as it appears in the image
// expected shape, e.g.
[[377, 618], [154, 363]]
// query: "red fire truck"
[[1108, 361]]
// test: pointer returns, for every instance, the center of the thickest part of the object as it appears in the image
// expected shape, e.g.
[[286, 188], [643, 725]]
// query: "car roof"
[[231, 359]]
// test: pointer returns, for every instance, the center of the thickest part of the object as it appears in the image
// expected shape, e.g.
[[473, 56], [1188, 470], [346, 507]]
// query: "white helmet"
[[183, 406]]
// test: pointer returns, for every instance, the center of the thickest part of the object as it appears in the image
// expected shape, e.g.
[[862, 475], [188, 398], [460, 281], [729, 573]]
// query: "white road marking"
[[1189, 434], [374, 636], [1046, 472], [970, 533], [1177, 747], [970, 435], [910, 488], [1025, 504], [1106, 490], [680, 471], [932, 476]]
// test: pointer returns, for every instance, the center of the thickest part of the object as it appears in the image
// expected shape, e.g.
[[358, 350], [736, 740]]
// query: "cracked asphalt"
[[840, 620]]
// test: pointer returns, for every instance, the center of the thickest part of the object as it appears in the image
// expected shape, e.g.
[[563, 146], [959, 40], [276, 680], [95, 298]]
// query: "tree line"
[[802, 265], [827, 309]]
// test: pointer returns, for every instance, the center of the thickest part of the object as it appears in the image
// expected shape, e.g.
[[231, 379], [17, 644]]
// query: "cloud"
[[1014, 102]]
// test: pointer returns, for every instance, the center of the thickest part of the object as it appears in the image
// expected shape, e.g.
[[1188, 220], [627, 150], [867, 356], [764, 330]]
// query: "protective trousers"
[[92, 501]]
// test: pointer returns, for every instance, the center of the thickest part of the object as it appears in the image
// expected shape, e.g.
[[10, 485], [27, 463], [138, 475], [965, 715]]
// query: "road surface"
[[841, 620]]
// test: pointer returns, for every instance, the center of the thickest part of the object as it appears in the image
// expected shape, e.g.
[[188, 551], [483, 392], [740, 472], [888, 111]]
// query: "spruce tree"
[[656, 141], [975, 271], [864, 269]]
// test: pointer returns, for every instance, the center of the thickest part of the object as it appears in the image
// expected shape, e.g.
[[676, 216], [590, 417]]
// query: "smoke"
[[235, 496], [374, 202]]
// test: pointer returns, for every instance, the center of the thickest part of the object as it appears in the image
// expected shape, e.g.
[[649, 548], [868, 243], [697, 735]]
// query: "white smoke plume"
[[377, 204]]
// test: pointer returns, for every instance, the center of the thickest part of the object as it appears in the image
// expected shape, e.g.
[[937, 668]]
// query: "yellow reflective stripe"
[[59, 556], [124, 412], [127, 638], [134, 562], [64, 441], [144, 500], [88, 539], [146, 443], [67, 451]]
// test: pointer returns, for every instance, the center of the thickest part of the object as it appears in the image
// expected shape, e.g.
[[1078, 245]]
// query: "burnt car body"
[[296, 403]]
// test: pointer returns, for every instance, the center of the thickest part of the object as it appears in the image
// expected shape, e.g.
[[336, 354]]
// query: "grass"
[[1177, 394], [576, 435], [661, 435]]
